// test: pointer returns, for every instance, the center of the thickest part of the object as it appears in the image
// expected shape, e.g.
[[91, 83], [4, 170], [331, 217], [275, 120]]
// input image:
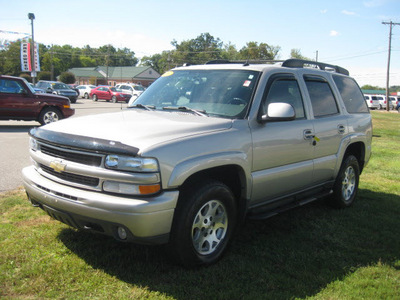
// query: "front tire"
[[95, 98], [49, 115], [204, 221], [346, 185]]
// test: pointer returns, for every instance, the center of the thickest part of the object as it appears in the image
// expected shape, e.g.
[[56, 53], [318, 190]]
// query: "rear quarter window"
[[351, 94]]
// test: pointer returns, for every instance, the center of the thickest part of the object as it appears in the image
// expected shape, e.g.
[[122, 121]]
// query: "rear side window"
[[321, 96], [351, 94]]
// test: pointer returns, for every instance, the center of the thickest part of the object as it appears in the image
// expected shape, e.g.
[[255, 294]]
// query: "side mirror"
[[278, 112]]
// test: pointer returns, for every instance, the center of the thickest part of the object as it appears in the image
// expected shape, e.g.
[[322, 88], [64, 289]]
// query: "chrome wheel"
[[50, 117], [348, 183], [209, 227]]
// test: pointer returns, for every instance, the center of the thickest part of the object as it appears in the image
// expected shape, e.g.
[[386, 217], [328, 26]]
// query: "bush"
[[26, 76], [67, 77], [44, 75]]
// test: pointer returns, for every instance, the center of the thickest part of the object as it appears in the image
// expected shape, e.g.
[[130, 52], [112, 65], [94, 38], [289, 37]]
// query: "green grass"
[[313, 252]]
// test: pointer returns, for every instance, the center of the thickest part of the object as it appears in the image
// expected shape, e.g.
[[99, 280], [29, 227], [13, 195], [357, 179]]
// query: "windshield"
[[221, 93], [60, 86], [138, 88]]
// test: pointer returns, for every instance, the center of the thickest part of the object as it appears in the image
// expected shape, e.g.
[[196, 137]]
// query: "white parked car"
[[394, 100], [84, 90], [372, 101], [134, 89], [382, 102]]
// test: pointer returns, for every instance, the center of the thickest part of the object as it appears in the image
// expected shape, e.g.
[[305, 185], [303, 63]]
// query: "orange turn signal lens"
[[149, 189]]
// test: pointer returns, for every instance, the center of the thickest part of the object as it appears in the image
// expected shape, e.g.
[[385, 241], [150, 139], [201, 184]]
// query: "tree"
[[197, 51], [67, 77], [261, 51], [295, 53]]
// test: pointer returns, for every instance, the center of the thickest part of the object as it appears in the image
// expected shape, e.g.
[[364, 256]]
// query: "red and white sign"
[[26, 59]]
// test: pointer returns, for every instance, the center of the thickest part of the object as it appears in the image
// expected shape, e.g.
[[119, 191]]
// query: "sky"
[[348, 33]]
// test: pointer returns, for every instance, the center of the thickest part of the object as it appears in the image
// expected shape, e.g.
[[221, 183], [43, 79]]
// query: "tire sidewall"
[[46, 111], [337, 198], [181, 244]]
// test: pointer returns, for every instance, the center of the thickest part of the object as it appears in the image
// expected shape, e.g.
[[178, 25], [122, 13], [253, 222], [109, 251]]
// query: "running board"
[[265, 214]]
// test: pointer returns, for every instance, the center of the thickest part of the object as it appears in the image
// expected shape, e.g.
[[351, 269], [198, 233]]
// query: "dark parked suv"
[[19, 101], [58, 88]]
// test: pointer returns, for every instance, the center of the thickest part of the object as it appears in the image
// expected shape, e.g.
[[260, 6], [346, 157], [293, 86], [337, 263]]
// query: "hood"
[[50, 97], [138, 128], [65, 91]]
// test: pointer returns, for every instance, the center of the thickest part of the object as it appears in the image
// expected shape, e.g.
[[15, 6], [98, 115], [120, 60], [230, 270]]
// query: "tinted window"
[[285, 89], [11, 86], [351, 94], [321, 96]]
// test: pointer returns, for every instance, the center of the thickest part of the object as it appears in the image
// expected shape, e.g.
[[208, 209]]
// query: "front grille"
[[85, 159], [80, 179]]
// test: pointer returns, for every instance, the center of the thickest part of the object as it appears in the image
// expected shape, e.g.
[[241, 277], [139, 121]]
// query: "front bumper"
[[146, 220]]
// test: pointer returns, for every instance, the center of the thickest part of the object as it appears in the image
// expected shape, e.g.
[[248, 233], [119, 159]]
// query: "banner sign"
[[26, 59]]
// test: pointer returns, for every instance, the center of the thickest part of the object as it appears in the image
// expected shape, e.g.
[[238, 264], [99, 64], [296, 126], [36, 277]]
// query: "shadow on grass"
[[292, 255]]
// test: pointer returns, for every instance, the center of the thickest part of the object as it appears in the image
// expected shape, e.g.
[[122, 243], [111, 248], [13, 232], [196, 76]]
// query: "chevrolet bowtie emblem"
[[58, 166]]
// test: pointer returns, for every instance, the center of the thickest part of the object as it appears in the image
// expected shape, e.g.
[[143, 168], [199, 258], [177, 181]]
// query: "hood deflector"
[[83, 142]]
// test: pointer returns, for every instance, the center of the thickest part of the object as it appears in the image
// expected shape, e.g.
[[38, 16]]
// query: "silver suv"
[[201, 149]]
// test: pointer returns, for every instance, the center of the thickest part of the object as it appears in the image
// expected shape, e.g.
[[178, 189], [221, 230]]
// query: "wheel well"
[[358, 150], [232, 176]]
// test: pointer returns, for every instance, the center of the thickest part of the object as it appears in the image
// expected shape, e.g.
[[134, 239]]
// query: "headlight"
[[133, 164], [33, 144]]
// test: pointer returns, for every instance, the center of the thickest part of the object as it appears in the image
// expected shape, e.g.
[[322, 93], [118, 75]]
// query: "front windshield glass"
[[138, 88], [220, 93], [60, 86]]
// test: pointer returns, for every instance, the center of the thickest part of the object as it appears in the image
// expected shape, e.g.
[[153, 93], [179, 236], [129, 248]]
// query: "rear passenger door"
[[330, 127]]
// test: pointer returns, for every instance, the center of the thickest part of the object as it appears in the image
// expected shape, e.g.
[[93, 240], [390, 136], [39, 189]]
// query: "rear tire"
[[95, 98], [346, 185], [114, 99], [203, 224]]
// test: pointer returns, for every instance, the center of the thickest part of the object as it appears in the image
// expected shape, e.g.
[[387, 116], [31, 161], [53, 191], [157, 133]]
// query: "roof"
[[116, 72], [374, 92]]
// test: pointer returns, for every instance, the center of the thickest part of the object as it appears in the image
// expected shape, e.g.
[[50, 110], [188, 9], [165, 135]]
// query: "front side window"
[[351, 94], [11, 87], [285, 89], [322, 99], [219, 93]]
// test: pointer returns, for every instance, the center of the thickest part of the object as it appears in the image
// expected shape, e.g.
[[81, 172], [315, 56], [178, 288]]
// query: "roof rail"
[[300, 63], [243, 62]]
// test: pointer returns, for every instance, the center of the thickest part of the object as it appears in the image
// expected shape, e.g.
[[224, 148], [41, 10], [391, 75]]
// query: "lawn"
[[313, 252]]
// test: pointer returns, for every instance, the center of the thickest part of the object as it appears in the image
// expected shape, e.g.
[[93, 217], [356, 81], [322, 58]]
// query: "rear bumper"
[[146, 220]]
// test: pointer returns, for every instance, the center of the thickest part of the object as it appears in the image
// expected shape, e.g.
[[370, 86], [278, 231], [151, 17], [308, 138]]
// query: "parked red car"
[[19, 101], [109, 93]]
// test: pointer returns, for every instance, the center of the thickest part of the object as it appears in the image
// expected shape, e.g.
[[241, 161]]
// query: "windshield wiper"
[[146, 107], [187, 109]]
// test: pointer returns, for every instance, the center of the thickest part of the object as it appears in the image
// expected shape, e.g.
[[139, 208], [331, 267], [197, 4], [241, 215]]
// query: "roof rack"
[[300, 63], [243, 62], [289, 63]]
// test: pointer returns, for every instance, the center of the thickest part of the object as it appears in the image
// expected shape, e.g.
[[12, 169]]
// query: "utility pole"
[[31, 17], [388, 64]]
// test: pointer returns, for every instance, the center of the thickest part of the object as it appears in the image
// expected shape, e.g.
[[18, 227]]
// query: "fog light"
[[122, 233]]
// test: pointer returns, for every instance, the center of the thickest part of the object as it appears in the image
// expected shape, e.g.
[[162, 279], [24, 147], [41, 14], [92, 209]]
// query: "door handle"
[[341, 129], [308, 134]]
